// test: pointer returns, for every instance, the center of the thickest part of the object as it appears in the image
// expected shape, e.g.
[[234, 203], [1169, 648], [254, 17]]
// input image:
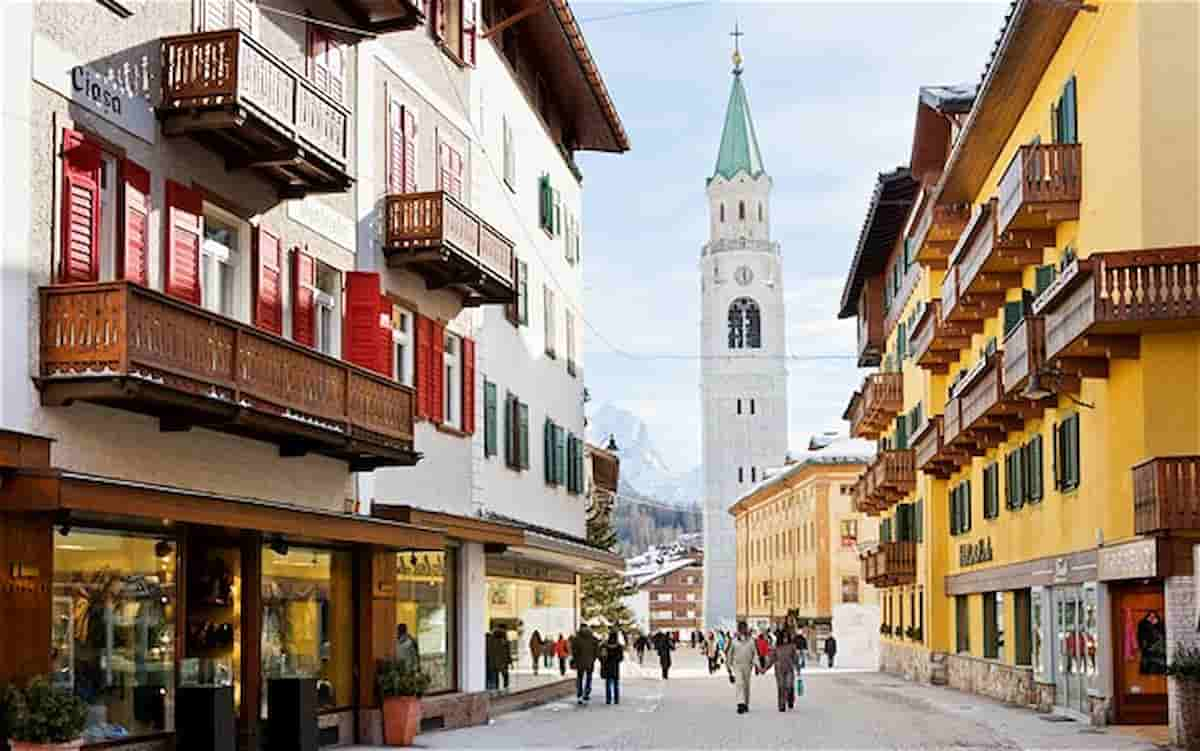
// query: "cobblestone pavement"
[[840, 709]]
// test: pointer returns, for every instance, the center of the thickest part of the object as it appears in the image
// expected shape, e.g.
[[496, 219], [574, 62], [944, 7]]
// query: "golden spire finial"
[[737, 34]]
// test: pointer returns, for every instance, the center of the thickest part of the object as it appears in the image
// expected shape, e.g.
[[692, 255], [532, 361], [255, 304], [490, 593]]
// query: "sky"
[[832, 89]]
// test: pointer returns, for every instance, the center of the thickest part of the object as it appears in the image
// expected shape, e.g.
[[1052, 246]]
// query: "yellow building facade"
[[1040, 366], [798, 536]]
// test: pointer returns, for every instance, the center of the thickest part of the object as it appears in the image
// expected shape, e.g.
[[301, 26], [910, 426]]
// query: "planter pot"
[[1189, 714], [401, 720], [26, 746]]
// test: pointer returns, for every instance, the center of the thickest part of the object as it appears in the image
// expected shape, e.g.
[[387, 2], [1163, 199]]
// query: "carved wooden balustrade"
[[1041, 187], [907, 284], [873, 408], [893, 476], [892, 564], [227, 90], [931, 455], [437, 236], [937, 231], [1166, 495], [1024, 353], [127, 346], [935, 343], [1098, 306]]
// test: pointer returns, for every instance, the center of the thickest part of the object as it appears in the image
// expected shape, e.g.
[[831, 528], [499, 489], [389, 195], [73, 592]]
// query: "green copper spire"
[[739, 144]]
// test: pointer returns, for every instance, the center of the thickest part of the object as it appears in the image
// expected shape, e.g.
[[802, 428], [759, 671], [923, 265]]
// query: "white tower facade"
[[743, 371]]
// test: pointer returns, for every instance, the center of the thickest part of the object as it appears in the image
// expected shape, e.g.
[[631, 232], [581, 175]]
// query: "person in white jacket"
[[740, 658]]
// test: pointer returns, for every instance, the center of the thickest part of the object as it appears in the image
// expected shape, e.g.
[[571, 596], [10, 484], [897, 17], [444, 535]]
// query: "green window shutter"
[[489, 418], [1072, 453], [901, 342], [548, 450], [1070, 114], [1019, 474], [885, 530], [580, 484], [560, 461], [1036, 488], [545, 203], [1043, 278], [571, 448], [966, 505], [1055, 456], [522, 410], [901, 432], [510, 445], [954, 511], [920, 520], [1013, 313]]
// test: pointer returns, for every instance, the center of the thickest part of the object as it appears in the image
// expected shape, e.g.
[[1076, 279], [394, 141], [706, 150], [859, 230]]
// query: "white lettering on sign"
[[114, 96], [324, 220]]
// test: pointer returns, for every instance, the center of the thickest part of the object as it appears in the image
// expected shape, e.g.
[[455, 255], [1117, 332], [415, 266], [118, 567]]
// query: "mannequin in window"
[[1152, 644]]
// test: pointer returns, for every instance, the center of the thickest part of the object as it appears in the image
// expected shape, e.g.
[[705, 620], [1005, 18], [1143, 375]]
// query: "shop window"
[[993, 625], [962, 624], [113, 630], [1023, 627], [518, 608], [425, 604], [308, 620]]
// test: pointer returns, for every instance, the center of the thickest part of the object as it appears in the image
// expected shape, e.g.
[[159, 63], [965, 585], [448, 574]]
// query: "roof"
[[891, 201], [640, 578], [739, 144], [936, 105], [954, 99], [841, 451]]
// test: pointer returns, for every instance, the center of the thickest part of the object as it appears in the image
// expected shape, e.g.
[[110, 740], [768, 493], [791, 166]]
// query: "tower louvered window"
[[745, 324]]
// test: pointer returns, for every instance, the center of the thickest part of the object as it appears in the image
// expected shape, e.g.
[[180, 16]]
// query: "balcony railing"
[[1166, 495], [227, 90], [937, 231], [437, 236], [989, 263], [935, 343], [870, 323], [930, 453], [909, 283], [893, 475], [891, 564], [1041, 187], [1097, 306], [126, 346], [952, 430], [873, 408], [1024, 353]]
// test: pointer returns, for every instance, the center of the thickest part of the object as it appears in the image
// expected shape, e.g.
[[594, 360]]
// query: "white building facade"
[[743, 371]]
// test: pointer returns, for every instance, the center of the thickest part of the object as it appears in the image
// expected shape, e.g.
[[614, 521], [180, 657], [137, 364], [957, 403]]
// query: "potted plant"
[[43, 717], [1185, 669], [400, 691]]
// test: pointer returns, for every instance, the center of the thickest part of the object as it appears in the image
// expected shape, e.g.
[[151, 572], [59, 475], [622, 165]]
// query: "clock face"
[[743, 275]]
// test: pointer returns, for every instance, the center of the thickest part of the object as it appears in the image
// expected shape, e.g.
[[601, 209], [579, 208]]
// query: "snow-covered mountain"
[[643, 470]]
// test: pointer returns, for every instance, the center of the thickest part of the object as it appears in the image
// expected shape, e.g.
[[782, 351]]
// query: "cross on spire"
[[737, 35]]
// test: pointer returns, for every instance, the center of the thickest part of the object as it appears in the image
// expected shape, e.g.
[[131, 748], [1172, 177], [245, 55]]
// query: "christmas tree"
[[603, 593]]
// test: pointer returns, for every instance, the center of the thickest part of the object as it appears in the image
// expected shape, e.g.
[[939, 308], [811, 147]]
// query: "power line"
[[643, 11]]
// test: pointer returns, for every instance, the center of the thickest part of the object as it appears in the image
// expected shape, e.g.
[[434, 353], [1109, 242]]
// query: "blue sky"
[[833, 92]]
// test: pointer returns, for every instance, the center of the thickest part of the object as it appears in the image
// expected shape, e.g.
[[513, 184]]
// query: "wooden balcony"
[[870, 323], [382, 16], [937, 231], [1166, 495], [124, 346], [1025, 354], [935, 343], [1097, 307], [892, 564], [893, 476], [931, 454], [986, 413], [228, 91], [907, 285], [872, 409], [1041, 187], [988, 263], [438, 237]]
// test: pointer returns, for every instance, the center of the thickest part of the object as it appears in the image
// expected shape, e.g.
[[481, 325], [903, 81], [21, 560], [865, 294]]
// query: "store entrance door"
[[1140, 656], [1075, 665]]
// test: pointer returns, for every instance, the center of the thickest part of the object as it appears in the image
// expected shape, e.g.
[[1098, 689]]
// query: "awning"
[[58, 491], [468, 528]]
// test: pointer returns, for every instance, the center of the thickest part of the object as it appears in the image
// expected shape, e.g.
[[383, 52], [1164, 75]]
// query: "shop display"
[[425, 591]]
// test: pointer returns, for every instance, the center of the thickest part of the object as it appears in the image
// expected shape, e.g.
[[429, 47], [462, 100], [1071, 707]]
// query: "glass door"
[[1075, 647]]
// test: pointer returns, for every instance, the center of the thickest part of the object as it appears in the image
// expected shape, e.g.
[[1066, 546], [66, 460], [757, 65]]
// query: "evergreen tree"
[[602, 593]]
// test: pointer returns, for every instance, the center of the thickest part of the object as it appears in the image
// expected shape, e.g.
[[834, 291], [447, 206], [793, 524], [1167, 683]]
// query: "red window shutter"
[[304, 280], [362, 319], [387, 350], [450, 167], [437, 373], [134, 260], [424, 332], [410, 150], [185, 230], [318, 57], [395, 151], [268, 281], [468, 385], [468, 9], [81, 209]]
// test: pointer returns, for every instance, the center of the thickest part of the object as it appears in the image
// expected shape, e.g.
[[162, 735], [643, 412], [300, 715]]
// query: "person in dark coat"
[[611, 655], [802, 648], [830, 648], [498, 657], [783, 658], [584, 651], [664, 645], [535, 649], [641, 645]]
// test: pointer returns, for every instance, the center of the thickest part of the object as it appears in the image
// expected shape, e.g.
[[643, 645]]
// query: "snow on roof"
[[839, 450], [643, 576]]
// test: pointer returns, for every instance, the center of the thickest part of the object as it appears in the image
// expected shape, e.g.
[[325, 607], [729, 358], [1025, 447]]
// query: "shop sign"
[[1062, 569], [1134, 560], [527, 570], [112, 96], [972, 553], [323, 219]]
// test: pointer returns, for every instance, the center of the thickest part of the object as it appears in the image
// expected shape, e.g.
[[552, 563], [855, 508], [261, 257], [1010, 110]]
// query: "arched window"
[[745, 324], [742, 210], [722, 213]]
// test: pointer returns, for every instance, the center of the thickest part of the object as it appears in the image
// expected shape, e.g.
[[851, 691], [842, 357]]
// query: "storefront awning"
[[58, 491], [468, 528]]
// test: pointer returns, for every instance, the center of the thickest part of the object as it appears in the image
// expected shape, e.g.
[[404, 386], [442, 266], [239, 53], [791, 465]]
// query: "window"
[[849, 529], [991, 491], [227, 14], [962, 624], [510, 156], [402, 342], [326, 62], [114, 604], [327, 324], [751, 406], [1014, 479], [691, 596], [753, 474], [1043, 278], [745, 325], [739, 406], [452, 383], [1023, 624], [740, 475], [546, 205], [993, 625], [426, 594], [222, 254], [518, 312], [453, 24], [1065, 116], [760, 211], [551, 332], [960, 508], [1066, 453], [742, 210], [662, 596], [490, 419], [450, 169], [1033, 470], [722, 212], [516, 433], [569, 324], [402, 148], [849, 589]]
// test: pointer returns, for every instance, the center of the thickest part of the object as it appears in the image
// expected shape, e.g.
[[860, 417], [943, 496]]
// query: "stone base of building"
[[909, 659], [535, 696], [1046, 693], [445, 712], [996, 680]]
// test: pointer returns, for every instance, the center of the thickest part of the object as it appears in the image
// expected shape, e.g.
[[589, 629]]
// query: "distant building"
[[669, 586]]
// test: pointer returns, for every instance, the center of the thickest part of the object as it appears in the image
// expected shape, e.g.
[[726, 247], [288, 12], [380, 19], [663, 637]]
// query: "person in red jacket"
[[764, 649]]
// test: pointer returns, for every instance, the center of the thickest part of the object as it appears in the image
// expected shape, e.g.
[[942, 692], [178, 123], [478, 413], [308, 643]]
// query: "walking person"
[[535, 649], [498, 656], [739, 661], [783, 659], [641, 645], [611, 655], [830, 648], [584, 650], [562, 651], [664, 645], [764, 648], [802, 648]]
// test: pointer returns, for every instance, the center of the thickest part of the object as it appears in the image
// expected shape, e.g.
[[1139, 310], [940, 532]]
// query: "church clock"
[[743, 275]]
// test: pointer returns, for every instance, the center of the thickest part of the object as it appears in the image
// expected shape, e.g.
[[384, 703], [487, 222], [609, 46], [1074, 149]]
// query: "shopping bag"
[[799, 686]]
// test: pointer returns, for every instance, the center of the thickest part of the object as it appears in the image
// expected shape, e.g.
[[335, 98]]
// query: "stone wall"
[[907, 659], [1014, 685], [1181, 619]]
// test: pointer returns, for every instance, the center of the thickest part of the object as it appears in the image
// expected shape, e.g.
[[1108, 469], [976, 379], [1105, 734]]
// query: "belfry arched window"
[[760, 212], [722, 213], [745, 324], [742, 210]]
